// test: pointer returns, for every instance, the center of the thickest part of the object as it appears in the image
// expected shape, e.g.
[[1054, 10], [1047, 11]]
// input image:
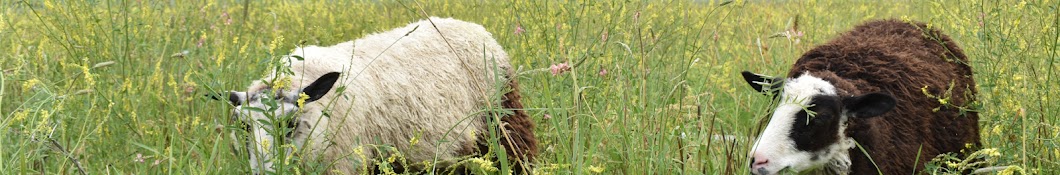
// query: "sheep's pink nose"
[[758, 161]]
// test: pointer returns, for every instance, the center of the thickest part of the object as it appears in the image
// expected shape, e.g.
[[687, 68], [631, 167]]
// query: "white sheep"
[[425, 89]]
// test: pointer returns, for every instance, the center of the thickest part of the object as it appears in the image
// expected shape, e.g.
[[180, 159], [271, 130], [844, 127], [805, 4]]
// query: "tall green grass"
[[115, 86]]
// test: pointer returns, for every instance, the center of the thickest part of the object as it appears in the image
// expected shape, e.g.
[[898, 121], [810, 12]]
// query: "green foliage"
[[648, 87]]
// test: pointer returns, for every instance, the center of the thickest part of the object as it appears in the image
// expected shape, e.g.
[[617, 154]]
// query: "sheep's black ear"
[[762, 83], [869, 105], [235, 98], [213, 96], [321, 86]]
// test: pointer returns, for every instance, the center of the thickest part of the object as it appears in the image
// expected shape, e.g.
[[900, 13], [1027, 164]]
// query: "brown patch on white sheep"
[[900, 58], [518, 138]]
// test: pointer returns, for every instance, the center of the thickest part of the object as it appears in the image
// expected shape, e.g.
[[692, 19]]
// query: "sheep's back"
[[905, 60], [398, 87]]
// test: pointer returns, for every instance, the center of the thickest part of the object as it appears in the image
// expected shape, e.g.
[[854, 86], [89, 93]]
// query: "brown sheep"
[[897, 89]]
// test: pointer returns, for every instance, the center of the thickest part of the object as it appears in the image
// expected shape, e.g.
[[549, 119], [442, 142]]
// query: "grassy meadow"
[[116, 87]]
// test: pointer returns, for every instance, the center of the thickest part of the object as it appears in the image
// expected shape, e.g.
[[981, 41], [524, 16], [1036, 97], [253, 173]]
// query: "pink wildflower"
[[603, 72], [546, 117], [139, 158], [794, 34], [559, 68], [982, 16], [228, 19], [519, 29], [188, 88]]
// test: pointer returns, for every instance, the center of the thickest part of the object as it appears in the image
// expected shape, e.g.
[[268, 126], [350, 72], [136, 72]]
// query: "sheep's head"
[[807, 127], [272, 119]]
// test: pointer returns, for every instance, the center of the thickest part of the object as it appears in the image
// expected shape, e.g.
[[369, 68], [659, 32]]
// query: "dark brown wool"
[[518, 139], [900, 58]]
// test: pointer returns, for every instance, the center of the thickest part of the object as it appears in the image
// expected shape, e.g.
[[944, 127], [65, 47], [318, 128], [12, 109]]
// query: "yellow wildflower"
[[1056, 152], [243, 49], [173, 84], [88, 75], [427, 164], [1012, 170], [414, 140], [484, 164], [127, 85], [596, 169], [281, 82], [20, 115], [276, 41], [952, 165], [925, 91], [991, 152], [302, 97], [44, 118], [265, 144], [287, 160], [29, 84], [220, 57], [1056, 132], [360, 152], [195, 121], [156, 78]]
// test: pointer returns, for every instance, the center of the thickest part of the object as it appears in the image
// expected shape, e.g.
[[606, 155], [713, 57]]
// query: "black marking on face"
[[235, 99], [815, 133]]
